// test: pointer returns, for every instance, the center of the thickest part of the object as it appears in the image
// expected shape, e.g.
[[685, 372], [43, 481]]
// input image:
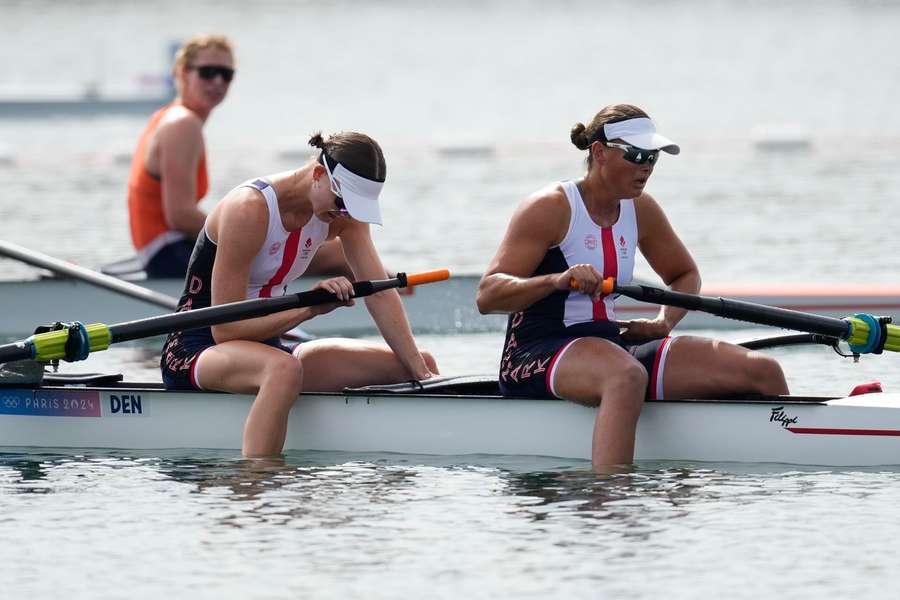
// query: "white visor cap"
[[360, 195], [641, 133]]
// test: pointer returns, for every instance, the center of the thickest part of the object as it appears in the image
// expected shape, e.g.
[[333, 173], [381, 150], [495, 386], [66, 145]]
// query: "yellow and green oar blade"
[[864, 333], [52, 344]]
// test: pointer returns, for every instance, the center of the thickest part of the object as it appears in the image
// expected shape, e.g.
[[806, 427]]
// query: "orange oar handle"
[[607, 287], [427, 277]]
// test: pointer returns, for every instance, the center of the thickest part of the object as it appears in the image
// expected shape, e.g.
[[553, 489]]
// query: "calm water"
[[338, 526], [472, 102]]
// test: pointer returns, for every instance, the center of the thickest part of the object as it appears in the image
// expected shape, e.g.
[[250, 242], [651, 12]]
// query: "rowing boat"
[[456, 416], [453, 416], [449, 307]]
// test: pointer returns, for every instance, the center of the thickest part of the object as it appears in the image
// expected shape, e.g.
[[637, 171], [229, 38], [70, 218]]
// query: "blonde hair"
[[196, 43]]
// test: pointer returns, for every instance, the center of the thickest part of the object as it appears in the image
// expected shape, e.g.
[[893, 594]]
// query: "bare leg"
[[332, 364], [704, 368], [594, 368], [252, 368], [330, 260]]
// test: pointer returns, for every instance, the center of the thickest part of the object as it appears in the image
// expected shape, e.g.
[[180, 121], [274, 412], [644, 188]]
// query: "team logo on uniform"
[[622, 240], [590, 241], [307, 248], [274, 248]]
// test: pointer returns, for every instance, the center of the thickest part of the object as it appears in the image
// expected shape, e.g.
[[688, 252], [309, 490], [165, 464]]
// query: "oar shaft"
[[66, 269], [739, 310], [239, 311], [51, 345]]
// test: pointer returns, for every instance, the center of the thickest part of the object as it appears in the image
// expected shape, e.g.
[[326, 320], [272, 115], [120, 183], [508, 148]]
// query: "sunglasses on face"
[[336, 190], [636, 155], [209, 72]]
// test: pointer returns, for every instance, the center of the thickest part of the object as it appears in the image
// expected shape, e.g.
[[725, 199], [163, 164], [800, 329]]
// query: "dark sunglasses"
[[209, 72], [335, 189], [636, 155]]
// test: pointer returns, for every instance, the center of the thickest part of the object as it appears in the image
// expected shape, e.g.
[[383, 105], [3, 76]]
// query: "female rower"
[[563, 338], [168, 170], [260, 237]]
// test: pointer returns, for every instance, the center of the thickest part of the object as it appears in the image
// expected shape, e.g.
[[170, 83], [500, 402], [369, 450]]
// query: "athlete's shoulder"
[[543, 214], [178, 118], [646, 204], [548, 200]]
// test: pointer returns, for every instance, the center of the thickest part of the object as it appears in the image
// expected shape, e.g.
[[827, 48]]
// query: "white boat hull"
[[859, 431], [443, 307]]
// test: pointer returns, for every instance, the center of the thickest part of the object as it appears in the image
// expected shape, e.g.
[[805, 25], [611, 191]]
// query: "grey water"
[[788, 173]]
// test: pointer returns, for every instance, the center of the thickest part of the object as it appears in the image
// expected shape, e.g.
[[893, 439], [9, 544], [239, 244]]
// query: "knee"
[[767, 375], [626, 387], [285, 372], [632, 377]]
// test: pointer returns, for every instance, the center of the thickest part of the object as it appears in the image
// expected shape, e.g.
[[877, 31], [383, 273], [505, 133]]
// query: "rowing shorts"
[[527, 369], [181, 351], [171, 261]]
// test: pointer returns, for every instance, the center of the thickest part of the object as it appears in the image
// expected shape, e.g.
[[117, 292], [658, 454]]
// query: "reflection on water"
[[482, 526]]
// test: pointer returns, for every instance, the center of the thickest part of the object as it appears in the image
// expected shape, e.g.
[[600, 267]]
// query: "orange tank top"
[[145, 208]]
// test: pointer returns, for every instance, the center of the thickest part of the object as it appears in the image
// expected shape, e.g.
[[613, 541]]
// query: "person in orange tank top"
[[168, 171]]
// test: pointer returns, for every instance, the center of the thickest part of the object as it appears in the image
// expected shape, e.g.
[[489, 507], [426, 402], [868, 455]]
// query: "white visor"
[[360, 195], [641, 133]]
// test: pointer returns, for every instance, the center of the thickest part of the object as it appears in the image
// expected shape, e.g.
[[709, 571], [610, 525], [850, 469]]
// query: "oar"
[[97, 336], [864, 333], [113, 284], [67, 269]]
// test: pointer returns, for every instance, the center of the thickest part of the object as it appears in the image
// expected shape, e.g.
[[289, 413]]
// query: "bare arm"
[[385, 307], [666, 255], [180, 148], [538, 224], [238, 224]]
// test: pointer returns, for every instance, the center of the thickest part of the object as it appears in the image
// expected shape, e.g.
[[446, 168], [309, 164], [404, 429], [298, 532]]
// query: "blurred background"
[[784, 111]]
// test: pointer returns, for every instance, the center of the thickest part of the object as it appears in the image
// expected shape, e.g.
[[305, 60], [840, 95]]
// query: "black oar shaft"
[[239, 311], [50, 345], [740, 310]]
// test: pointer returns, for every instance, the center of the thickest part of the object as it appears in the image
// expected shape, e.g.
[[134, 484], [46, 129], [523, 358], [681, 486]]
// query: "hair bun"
[[578, 137], [317, 141]]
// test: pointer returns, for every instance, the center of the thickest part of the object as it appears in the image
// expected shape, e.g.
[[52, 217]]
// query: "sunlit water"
[[472, 102]]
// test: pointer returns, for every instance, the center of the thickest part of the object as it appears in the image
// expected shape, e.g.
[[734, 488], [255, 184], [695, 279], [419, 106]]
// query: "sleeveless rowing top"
[[610, 249], [283, 257], [149, 230]]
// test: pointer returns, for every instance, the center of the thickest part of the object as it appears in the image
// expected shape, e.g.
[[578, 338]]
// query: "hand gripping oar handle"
[[52, 345], [864, 333]]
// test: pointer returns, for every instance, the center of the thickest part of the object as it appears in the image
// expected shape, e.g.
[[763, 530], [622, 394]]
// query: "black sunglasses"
[[209, 72], [636, 155]]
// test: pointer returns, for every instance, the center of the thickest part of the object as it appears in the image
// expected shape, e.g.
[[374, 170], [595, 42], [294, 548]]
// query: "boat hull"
[[438, 308], [859, 431]]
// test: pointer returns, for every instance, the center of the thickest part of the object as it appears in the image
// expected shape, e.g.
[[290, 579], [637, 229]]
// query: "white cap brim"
[[360, 195], [641, 133]]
